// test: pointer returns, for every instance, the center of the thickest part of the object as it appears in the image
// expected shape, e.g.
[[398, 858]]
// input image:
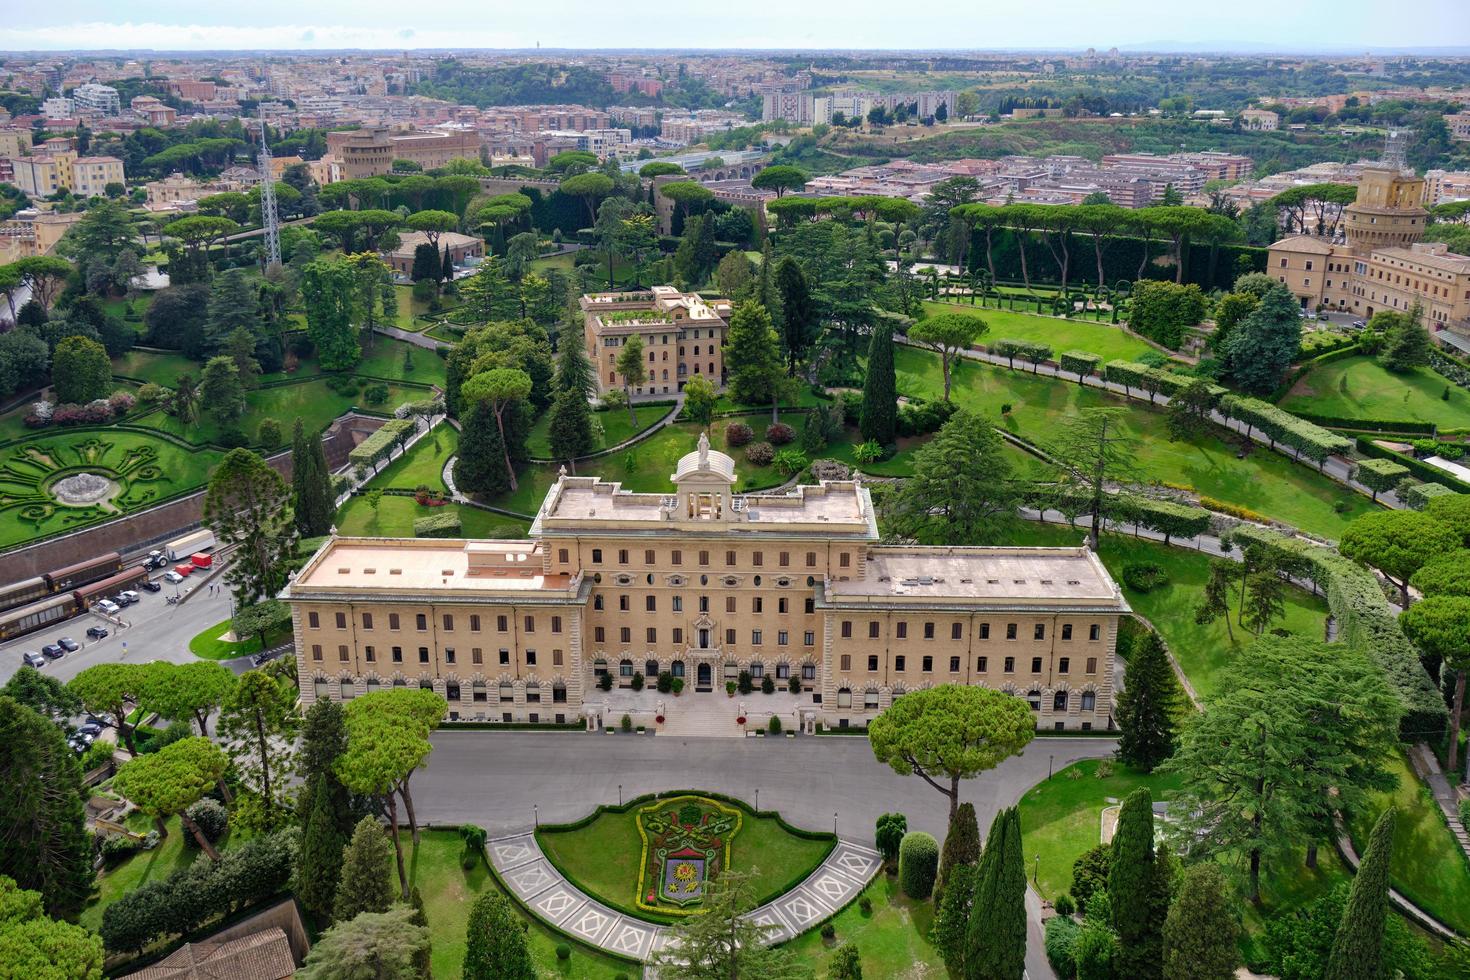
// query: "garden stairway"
[[701, 716]]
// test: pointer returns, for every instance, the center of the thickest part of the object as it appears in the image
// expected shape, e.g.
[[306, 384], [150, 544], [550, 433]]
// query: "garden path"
[[543, 889]]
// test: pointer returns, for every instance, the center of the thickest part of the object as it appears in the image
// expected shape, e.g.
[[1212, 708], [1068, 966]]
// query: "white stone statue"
[[703, 451]]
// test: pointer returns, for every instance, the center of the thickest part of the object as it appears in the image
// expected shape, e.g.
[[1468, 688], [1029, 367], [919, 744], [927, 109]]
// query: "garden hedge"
[[442, 525], [1379, 475], [1155, 381], [1418, 496], [378, 445], [1419, 468], [1307, 439], [1404, 426], [918, 863], [1173, 520], [1079, 362], [1365, 622]]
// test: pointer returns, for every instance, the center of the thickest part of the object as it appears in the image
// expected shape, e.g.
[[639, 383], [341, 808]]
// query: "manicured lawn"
[[603, 857], [1428, 865], [449, 891], [1061, 818], [147, 468], [163, 369], [615, 426], [422, 465], [12, 423], [385, 359], [120, 306], [1264, 482], [1360, 388], [395, 516], [1104, 339], [1202, 651], [312, 401], [169, 856], [805, 398], [409, 309], [208, 645], [892, 940]]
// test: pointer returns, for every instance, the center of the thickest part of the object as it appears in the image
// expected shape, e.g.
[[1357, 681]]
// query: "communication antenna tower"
[[1396, 148], [268, 216]]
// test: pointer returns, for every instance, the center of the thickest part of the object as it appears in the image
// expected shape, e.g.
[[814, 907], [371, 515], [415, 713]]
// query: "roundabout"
[[595, 883]]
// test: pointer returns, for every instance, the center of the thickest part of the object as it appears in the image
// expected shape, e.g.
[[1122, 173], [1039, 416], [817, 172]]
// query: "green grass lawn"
[[892, 940], [615, 425], [120, 306], [1104, 339], [385, 359], [1264, 482], [207, 644], [1428, 865], [410, 309], [1361, 388], [148, 469], [12, 423], [395, 516], [143, 867], [603, 857], [423, 464], [163, 369], [449, 891], [1202, 651]]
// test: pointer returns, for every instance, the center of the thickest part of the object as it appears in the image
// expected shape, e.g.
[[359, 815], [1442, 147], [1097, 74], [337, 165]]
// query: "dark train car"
[[110, 586], [23, 593], [84, 572], [38, 615]]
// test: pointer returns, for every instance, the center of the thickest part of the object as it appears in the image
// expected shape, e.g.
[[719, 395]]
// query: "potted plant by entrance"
[[678, 686], [730, 688]]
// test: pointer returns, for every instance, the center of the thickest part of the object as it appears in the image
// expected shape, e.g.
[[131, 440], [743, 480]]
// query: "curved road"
[[505, 781]]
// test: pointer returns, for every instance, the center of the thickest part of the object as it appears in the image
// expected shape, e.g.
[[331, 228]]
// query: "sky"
[[175, 25]]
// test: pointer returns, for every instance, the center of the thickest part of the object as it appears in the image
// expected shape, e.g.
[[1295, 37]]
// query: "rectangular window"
[[808, 672], [1094, 632], [846, 661], [956, 631], [1092, 665], [398, 655], [757, 559], [757, 605], [504, 658], [1064, 664], [927, 664], [367, 620], [809, 638], [678, 603], [1035, 665], [954, 665], [982, 664], [1010, 631], [556, 658], [622, 556], [556, 624], [704, 603], [901, 630], [475, 623], [729, 604], [782, 637], [598, 634], [625, 634], [477, 656], [421, 622], [650, 603], [423, 655], [928, 631], [730, 637], [755, 637], [448, 621], [316, 651], [873, 663], [809, 606], [1039, 633], [502, 623], [984, 631], [844, 560], [676, 557], [730, 559], [652, 635], [313, 620], [704, 558], [563, 556], [872, 629], [811, 559], [847, 629], [623, 604], [782, 605], [342, 652], [530, 624], [449, 655], [648, 557], [341, 621], [784, 559], [1066, 631], [1010, 665], [392, 621], [368, 655], [678, 635], [900, 663], [597, 556]]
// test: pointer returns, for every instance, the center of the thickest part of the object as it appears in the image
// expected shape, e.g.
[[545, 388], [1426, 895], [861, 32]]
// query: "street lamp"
[[1049, 760], [536, 815], [620, 794], [757, 799], [834, 823], [1036, 869]]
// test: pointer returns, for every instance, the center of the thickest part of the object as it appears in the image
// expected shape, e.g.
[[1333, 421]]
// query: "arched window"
[[372, 685], [559, 693], [478, 691], [507, 692], [399, 682], [1089, 701], [870, 699], [599, 667], [678, 668], [732, 670], [323, 689], [783, 671], [808, 672], [451, 690], [533, 692], [757, 670], [425, 684], [844, 697], [1059, 701], [1033, 698], [344, 690], [625, 668], [650, 669]]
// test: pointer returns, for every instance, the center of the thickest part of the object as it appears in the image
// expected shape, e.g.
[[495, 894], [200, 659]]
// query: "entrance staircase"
[[692, 715]]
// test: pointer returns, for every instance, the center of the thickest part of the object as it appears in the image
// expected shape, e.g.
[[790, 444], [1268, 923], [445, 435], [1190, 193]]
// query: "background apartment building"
[[44, 174], [371, 151]]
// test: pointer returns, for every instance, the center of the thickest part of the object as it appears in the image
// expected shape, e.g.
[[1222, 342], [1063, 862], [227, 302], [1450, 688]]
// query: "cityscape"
[[819, 493]]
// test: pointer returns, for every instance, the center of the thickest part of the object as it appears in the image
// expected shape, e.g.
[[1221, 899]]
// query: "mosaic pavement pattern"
[[543, 890]]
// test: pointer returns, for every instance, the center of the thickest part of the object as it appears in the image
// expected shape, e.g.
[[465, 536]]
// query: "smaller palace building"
[[704, 584], [682, 335]]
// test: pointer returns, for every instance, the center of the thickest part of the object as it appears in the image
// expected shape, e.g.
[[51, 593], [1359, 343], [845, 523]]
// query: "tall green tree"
[[952, 921], [234, 304], [963, 490], [996, 945], [479, 465], [259, 725], [495, 942], [248, 505], [950, 732], [1138, 888], [798, 313], [753, 358], [571, 427], [43, 694], [315, 507], [1265, 342], [948, 334], [365, 883], [1299, 727], [878, 418], [1357, 949], [378, 945], [1202, 928], [80, 370], [107, 689], [1148, 705], [186, 692], [329, 291], [319, 862], [1095, 451], [499, 388], [1215, 597], [634, 371], [961, 846], [724, 943], [700, 398], [222, 391], [1439, 625], [34, 946], [1406, 344], [44, 842], [1398, 543], [169, 781]]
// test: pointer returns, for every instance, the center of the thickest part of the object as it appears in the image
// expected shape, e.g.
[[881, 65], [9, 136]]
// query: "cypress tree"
[[447, 272], [1201, 928], [480, 467], [1357, 949], [878, 420], [996, 949], [951, 923], [367, 883], [961, 846], [1133, 885], [319, 864], [571, 427], [323, 739], [425, 263], [495, 947], [311, 483], [573, 369], [1146, 706], [423, 956]]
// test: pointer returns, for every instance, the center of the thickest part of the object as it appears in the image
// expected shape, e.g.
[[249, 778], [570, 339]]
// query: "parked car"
[[33, 659], [90, 727], [69, 645], [264, 657], [108, 606], [172, 577], [129, 597], [1360, 323], [54, 651], [97, 633], [150, 585]]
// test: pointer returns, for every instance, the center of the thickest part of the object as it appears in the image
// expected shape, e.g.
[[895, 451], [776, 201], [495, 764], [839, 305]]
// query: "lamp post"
[[834, 823], [1049, 760], [757, 799], [1036, 869], [620, 794], [536, 815]]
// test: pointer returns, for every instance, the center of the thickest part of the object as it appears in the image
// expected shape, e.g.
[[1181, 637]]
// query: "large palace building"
[[682, 337], [703, 583], [1382, 265]]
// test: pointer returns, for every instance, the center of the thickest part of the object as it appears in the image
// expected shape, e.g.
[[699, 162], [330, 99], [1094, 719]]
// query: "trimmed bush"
[[760, 453], [1061, 941], [779, 433], [775, 725], [1418, 497], [445, 524], [768, 685], [918, 863], [737, 434], [1064, 904], [1379, 475], [213, 820], [1306, 438], [1079, 362], [563, 951], [1144, 576], [377, 446]]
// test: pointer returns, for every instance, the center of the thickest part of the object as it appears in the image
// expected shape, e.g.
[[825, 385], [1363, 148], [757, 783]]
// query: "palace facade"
[[704, 583], [683, 337]]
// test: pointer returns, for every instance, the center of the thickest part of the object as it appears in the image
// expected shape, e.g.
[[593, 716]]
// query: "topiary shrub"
[[760, 453], [563, 951], [605, 682], [1144, 576], [794, 684], [637, 682], [865, 905], [737, 434], [743, 683], [779, 433], [1064, 904], [473, 839], [665, 682], [211, 816], [918, 862], [768, 686], [775, 726], [1061, 941], [626, 724], [829, 931]]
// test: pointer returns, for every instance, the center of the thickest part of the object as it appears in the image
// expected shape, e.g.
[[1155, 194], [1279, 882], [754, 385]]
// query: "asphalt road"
[[504, 781]]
